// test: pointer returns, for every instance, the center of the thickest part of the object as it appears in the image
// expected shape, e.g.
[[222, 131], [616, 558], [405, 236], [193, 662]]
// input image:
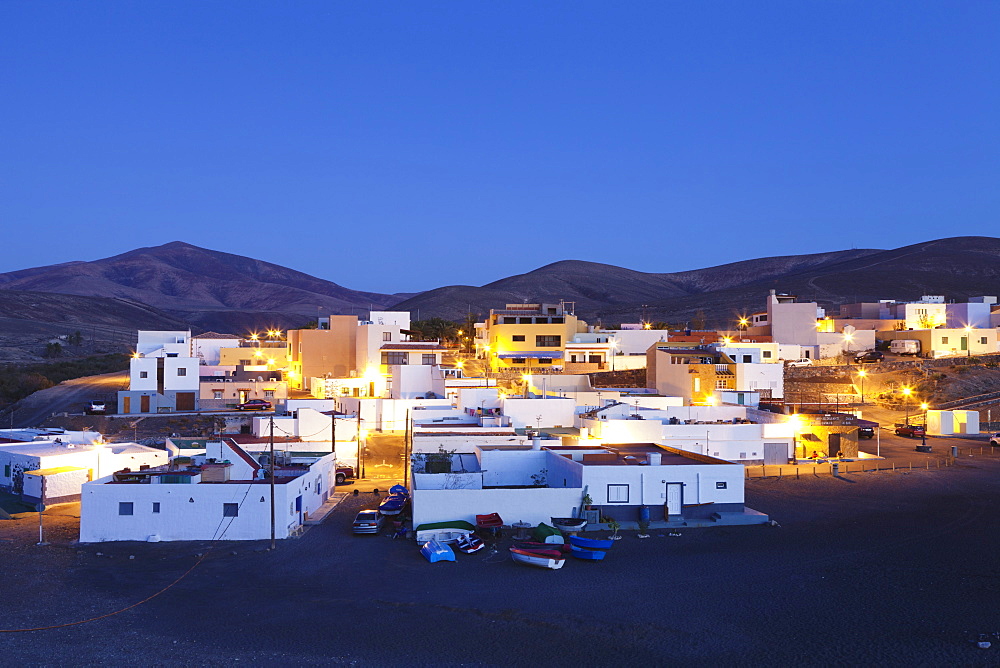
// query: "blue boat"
[[395, 502], [434, 552], [593, 549]]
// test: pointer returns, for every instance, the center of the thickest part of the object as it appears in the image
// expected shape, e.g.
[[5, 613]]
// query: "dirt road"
[[68, 396]]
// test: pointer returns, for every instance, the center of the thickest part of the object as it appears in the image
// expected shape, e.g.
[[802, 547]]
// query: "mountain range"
[[181, 283]]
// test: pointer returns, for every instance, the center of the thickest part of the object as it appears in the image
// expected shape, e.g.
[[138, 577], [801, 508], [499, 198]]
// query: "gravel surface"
[[879, 568]]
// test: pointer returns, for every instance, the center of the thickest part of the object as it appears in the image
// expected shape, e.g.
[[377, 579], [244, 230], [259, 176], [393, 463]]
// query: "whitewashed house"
[[226, 496]]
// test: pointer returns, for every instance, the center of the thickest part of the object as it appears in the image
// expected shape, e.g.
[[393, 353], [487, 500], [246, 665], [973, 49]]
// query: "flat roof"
[[631, 454], [55, 470]]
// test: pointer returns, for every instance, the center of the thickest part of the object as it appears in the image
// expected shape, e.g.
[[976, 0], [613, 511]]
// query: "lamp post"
[[861, 374], [923, 434], [907, 391], [968, 340]]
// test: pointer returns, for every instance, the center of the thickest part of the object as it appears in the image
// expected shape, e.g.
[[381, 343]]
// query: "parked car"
[[909, 430], [343, 473], [254, 405], [869, 357], [995, 440], [802, 361], [368, 521], [866, 432], [97, 407]]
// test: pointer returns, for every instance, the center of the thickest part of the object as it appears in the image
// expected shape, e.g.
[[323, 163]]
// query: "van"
[[904, 347]]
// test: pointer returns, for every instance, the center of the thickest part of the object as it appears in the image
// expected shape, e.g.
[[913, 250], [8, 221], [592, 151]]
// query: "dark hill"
[[203, 285]]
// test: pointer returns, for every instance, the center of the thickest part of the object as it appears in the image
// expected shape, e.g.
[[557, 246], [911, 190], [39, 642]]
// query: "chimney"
[[654, 458], [536, 442]]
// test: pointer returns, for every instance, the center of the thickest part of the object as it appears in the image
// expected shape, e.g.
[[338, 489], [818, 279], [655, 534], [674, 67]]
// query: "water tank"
[[654, 458]]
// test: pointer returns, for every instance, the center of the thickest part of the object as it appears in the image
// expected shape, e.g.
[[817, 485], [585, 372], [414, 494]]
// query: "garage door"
[[775, 453]]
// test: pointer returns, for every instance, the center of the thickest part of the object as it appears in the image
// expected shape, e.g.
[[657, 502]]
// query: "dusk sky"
[[398, 146]]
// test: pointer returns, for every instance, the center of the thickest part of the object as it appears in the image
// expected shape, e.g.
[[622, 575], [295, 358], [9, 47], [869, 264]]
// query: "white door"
[[675, 495]]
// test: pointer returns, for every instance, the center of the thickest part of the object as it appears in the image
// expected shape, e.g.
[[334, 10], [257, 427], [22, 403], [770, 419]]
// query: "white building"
[[534, 485], [52, 471], [225, 499]]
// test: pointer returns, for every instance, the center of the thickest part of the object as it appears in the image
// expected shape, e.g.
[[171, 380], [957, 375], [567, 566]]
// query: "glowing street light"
[[907, 391], [744, 322]]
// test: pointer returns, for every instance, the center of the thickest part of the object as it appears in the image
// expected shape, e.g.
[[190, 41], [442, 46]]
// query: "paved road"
[[69, 396]]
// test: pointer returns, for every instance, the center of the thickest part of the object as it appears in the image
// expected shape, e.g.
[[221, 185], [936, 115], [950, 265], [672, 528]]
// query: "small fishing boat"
[[539, 558], [592, 549], [569, 524], [443, 532], [544, 533], [394, 504], [434, 552], [533, 546], [469, 544]]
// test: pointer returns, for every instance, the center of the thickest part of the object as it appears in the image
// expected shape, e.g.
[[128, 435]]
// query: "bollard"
[[928, 464], [894, 467], [836, 469], [763, 472], [796, 472], [911, 466], [779, 472], [954, 451]]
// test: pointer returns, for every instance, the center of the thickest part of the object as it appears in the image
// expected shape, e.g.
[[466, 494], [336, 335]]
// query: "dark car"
[[866, 432], [909, 430], [368, 521], [869, 357], [254, 405]]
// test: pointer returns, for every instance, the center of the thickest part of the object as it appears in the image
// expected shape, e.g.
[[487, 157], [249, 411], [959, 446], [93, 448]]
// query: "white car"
[[995, 440], [803, 361]]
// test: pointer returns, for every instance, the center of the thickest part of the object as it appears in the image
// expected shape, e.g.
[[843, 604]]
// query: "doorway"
[[675, 499]]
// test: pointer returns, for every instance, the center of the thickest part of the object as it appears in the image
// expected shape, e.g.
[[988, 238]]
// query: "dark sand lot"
[[871, 569]]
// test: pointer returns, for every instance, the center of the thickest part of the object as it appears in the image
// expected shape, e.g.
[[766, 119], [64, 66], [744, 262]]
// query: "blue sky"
[[399, 146]]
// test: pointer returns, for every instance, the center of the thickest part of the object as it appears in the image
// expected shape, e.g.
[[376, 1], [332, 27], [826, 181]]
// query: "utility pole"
[[407, 441], [271, 466]]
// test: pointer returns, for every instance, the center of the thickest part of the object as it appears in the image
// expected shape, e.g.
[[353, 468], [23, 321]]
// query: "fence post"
[[763, 471], [911, 466], [796, 472]]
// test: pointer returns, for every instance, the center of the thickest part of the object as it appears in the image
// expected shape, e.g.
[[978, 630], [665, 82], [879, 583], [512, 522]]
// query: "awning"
[[554, 355]]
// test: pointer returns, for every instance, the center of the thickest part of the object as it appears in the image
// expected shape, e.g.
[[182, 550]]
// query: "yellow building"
[[530, 338], [272, 354]]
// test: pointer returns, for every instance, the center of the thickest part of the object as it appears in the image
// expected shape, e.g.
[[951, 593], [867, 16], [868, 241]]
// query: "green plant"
[[643, 528], [614, 526], [587, 501]]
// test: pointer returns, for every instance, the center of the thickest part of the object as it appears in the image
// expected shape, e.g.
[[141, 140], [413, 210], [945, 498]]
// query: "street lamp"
[[923, 434], [744, 323], [907, 391], [861, 374], [968, 340], [613, 345]]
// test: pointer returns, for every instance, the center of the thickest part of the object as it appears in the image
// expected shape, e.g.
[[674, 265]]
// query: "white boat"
[[443, 532], [541, 558]]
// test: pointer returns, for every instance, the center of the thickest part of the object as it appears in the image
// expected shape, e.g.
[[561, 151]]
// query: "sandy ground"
[[878, 568]]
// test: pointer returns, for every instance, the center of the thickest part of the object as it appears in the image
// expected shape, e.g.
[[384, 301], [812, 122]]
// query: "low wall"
[[513, 505]]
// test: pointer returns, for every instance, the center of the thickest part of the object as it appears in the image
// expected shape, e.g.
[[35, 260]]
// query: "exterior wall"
[[60, 487], [501, 339], [269, 390], [310, 426], [385, 414], [973, 314], [944, 342], [317, 352], [792, 322], [761, 377], [208, 351], [534, 505], [429, 441], [180, 374], [922, 315], [414, 381], [554, 412], [647, 484], [177, 341], [181, 518], [98, 461]]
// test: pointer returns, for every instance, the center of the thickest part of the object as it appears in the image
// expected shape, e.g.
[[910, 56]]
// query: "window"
[[517, 337], [594, 359], [216, 394], [944, 339], [982, 340], [766, 354], [697, 384], [269, 394], [519, 360], [387, 336], [721, 384], [509, 321], [143, 374], [617, 493], [720, 485], [548, 341], [541, 321], [182, 372], [572, 358], [395, 358], [524, 321], [230, 510], [6, 470], [156, 506], [124, 507], [247, 362], [428, 358], [545, 360], [557, 321], [747, 359]]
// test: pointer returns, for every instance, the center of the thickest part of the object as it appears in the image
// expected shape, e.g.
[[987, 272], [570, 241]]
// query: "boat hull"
[[434, 552], [542, 559]]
